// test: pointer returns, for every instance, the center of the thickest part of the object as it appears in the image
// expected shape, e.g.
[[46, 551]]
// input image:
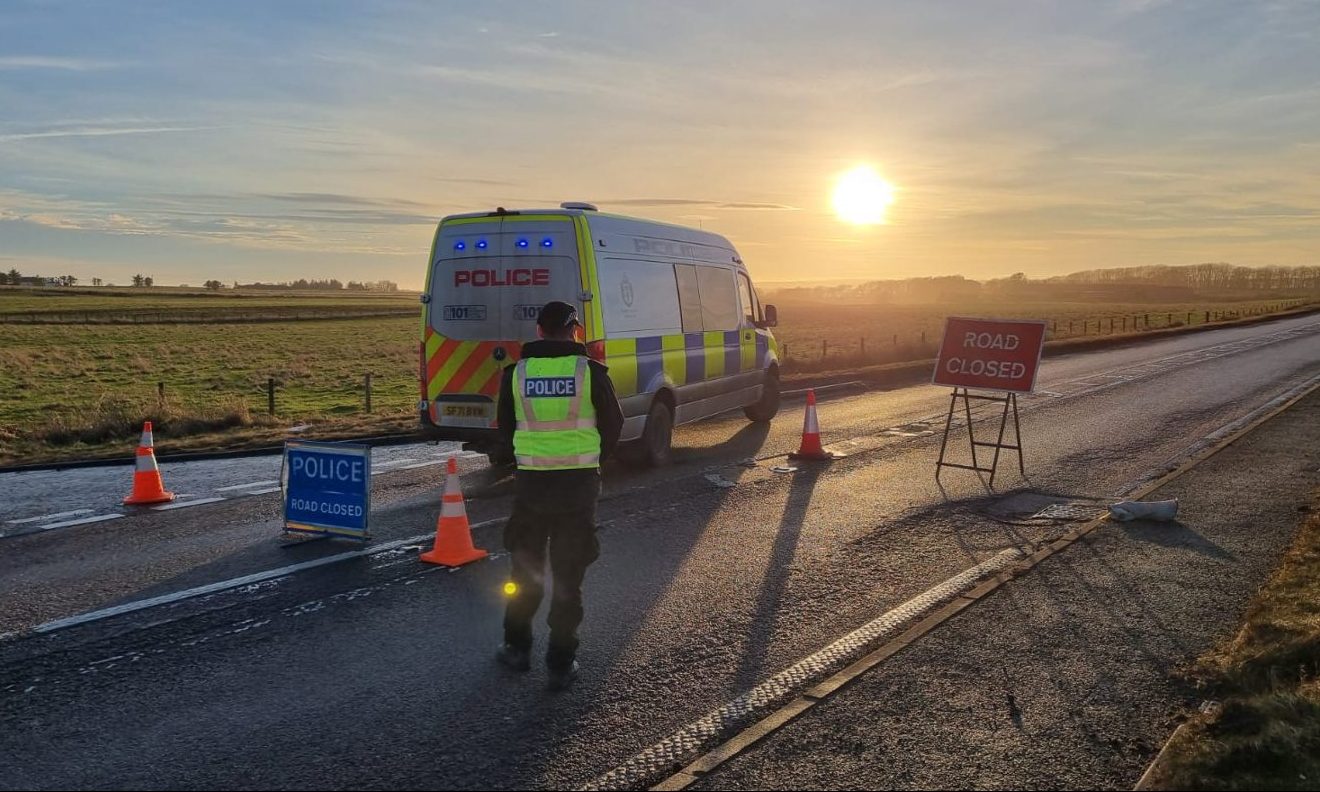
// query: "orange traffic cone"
[[810, 448], [147, 486], [453, 536]]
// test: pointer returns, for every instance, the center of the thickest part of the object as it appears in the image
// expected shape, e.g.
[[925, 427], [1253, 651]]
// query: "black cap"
[[556, 316]]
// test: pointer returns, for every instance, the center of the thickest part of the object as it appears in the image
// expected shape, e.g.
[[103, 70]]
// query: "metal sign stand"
[[1009, 400]]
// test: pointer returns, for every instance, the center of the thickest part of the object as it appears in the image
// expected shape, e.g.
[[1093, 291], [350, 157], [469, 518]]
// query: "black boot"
[[562, 678], [513, 658]]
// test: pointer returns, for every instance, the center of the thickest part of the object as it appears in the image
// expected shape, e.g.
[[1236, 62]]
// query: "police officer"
[[558, 410]]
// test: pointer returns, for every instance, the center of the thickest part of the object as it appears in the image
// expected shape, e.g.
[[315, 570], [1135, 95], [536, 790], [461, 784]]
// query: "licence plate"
[[466, 411]]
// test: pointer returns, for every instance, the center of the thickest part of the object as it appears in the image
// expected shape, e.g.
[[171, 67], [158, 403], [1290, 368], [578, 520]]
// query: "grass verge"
[[1264, 731]]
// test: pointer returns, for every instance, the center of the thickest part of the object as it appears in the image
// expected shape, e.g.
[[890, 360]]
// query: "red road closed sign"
[[994, 354]]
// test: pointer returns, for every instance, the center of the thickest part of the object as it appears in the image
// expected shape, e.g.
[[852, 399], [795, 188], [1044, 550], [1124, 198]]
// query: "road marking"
[[185, 504], [66, 524], [416, 465], [265, 491], [249, 484], [44, 517], [695, 738], [232, 583], [802, 391]]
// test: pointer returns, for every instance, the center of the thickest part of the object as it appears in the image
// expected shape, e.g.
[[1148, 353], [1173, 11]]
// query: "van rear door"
[[489, 278]]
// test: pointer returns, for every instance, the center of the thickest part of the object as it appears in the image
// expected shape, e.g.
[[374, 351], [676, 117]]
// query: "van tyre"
[[652, 449], [767, 406]]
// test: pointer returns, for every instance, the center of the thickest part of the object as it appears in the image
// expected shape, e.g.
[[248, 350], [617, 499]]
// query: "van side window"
[[745, 297], [689, 297], [719, 299]]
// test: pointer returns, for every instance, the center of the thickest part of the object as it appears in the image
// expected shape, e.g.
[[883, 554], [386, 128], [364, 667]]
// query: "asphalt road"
[[376, 672]]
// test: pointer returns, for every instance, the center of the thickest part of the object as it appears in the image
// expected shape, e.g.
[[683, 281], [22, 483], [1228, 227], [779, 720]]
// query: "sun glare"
[[861, 196]]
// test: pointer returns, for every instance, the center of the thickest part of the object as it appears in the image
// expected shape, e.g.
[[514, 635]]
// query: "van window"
[[689, 297], [745, 297], [498, 298], [719, 299], [639, 298]]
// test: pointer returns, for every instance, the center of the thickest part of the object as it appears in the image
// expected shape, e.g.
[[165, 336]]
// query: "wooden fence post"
[[366, 384], [270, 395]]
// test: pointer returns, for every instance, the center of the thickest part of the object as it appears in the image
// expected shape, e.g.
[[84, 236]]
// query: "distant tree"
[[137, 280], [15, 276], [96, 281], [68, 280], [213, 285], [148, 281]]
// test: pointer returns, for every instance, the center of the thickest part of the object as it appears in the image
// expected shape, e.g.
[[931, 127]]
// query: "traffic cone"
[[810, 448], [453, 536], [147, 485]]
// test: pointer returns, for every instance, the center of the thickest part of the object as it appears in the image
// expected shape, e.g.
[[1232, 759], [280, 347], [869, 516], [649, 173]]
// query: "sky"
[[274, 141]]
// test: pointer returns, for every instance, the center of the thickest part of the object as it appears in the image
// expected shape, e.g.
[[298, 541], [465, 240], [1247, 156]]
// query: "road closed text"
[[998, 354], [986, 368]]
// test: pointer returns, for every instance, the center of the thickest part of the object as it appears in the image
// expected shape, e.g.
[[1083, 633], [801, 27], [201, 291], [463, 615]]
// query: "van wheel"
[[767, 406], [653, 447]]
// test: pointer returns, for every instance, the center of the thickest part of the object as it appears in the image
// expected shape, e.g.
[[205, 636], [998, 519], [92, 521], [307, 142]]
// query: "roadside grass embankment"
[[1262, 729]]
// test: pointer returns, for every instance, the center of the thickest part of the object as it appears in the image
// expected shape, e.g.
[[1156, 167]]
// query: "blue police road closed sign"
[[327, 488]]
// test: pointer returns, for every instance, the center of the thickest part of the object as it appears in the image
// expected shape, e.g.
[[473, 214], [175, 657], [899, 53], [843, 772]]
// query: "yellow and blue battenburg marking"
[[642, 365]]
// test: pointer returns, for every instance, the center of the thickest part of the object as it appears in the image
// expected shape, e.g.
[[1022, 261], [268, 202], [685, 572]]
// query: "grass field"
[[159, 304], [1264, 732], [74, 389]]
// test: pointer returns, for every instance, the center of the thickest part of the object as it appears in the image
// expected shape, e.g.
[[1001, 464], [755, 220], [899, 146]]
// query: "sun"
[[861, 196]]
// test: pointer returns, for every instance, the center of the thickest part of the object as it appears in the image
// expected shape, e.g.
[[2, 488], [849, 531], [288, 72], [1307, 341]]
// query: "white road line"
[[225, 585], [249, 484], [416, 465], [83, 521], [185, 504], [55, 516], [266, 491]]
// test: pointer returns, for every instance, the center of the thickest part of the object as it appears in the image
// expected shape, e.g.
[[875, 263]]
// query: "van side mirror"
[[771, 317]]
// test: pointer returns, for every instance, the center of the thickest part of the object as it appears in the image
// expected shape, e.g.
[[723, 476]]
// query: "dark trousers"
[[555, 508]]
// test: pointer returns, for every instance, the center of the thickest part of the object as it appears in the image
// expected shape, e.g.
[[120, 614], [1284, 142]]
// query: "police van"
[[671, 310]]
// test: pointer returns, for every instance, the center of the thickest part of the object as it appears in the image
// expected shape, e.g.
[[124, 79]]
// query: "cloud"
[[97, 132], [759, 206], [697, 202], [335, 198], [59, 63]]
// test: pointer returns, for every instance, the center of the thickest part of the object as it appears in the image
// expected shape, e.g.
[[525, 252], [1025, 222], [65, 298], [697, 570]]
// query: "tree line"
[[1129, 283]]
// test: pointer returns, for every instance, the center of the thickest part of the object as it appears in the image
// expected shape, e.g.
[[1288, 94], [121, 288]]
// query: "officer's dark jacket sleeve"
[[505, 416], [609, 416]]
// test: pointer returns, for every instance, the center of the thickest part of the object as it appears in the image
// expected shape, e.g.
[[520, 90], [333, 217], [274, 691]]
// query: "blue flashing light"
[[460, 246], [481, 244], [522, 243], [547, 242]]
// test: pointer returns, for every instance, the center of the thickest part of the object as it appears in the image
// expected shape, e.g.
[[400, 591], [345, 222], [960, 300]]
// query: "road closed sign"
[[327, 488], [994, 354]]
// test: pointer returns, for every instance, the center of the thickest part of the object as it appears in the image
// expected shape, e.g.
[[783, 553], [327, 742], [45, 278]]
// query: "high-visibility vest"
[[556, 427]]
